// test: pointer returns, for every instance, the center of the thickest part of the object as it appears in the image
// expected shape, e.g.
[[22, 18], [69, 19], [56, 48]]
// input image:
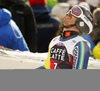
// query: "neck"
[[66, 34]]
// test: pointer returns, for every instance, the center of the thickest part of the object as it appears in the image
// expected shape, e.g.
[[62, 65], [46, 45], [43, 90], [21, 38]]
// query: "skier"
[[70, 50]]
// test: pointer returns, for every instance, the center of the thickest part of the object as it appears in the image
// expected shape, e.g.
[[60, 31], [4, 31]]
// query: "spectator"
[[46, 24], [51, 4], [94, 36], [72, 2], [23, 15], [96, 16], [10, 35], [59, 10], [70, 50], [93, 4], [3, 4], [84, 4], [96, 51]]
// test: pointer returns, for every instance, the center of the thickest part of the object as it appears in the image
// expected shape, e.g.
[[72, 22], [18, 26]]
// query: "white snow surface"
[[10, 59]]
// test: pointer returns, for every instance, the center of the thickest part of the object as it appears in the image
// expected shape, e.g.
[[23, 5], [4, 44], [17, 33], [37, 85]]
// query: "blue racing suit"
[[70, 51]]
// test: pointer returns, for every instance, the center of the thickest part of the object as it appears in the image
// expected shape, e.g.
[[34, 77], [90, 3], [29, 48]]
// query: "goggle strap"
[[84, 18]]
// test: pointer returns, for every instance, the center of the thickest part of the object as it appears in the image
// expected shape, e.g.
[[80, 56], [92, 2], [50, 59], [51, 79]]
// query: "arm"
[[81, 55], [18, 41]]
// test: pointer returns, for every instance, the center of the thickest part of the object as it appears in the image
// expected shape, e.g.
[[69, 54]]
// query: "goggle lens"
[[76, 11]]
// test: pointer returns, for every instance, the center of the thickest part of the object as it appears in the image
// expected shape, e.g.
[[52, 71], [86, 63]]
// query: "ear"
[[81, 26]]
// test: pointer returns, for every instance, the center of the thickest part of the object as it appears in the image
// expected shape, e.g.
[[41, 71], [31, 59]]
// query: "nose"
[[69, 14]]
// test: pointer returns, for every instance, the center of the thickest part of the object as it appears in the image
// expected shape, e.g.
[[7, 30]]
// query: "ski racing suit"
[[70, 51]]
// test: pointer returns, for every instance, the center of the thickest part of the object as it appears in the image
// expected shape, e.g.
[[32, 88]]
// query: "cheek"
[[65, 20], [73, 20]]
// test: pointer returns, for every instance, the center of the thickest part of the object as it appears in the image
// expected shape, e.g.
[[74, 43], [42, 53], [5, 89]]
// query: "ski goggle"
[[78, 13]]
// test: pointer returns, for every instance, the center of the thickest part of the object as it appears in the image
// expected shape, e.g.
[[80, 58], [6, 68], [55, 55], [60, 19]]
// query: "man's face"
[[69, 19]]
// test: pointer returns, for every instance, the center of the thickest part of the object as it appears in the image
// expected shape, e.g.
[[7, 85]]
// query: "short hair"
[[96, 15]]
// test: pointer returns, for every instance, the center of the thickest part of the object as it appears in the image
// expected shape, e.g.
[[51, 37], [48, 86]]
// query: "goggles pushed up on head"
[[78, 13]]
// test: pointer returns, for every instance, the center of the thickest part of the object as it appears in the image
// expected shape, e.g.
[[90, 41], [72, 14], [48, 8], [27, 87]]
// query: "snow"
[[10, 59]]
